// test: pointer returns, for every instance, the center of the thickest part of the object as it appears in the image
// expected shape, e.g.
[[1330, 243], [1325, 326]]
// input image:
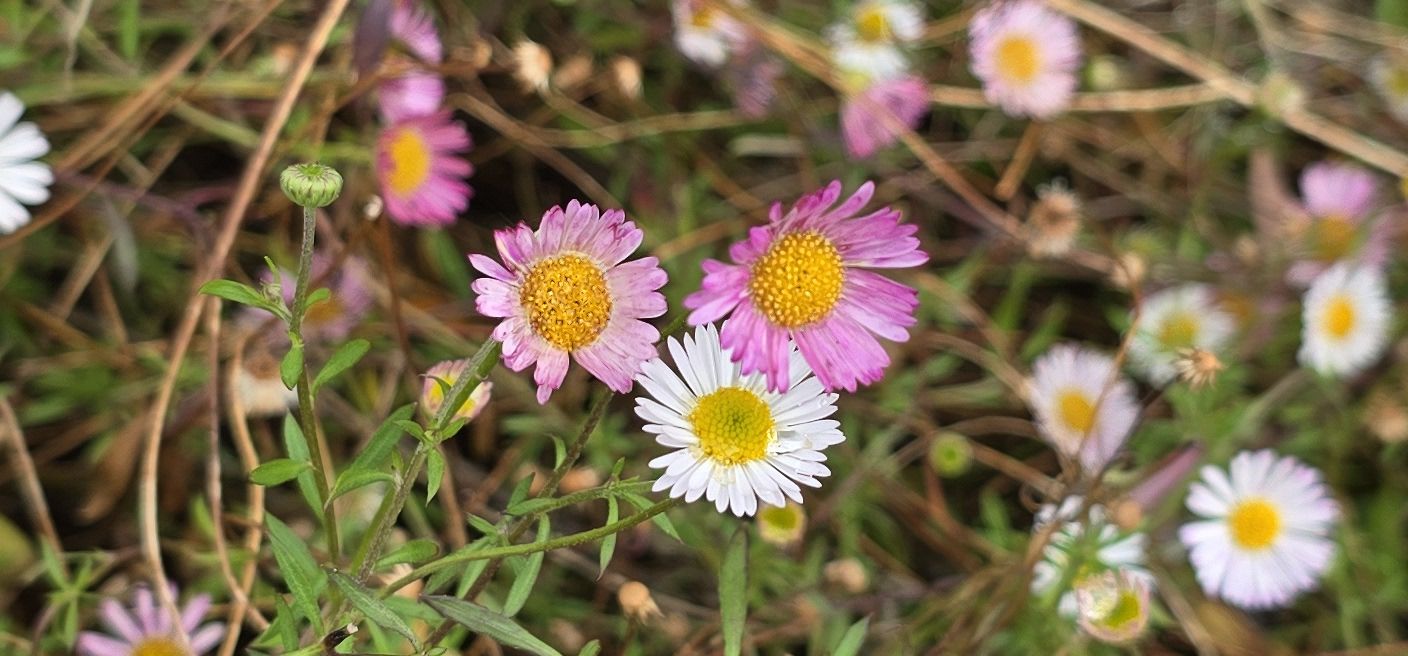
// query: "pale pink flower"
[[421, 173], [875, 117], [1026, 56], [1341, 201], [148, 629], [417, 92]]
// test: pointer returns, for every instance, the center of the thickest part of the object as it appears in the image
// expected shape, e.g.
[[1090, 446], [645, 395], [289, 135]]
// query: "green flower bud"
[[311, 185], [950, 455]]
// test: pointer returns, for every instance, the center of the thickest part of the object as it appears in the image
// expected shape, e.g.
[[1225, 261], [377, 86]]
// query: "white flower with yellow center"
[[1347, 315], [1084, 407], [736, 442], [1264, 536], [866, 44], [1172, 321], [1026, 56], [24, 180], [706, 34]]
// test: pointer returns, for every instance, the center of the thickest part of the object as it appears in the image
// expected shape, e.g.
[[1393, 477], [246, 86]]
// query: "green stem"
[[499, 553], [318, 451]]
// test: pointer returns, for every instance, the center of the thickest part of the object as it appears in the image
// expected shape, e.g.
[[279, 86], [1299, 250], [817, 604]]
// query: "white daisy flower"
[[1084, 407], [735, 441], [1265, 534], [705, 34], [1347, 315], [1172, 320], [1083, 548], [23, 181], [1026, 56]]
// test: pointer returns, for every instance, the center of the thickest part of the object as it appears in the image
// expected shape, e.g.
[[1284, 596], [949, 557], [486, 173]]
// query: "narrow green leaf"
[[527, 577], [415, 551], [291, 366], [520, 491], [853, 640], [315, 297], [733, 591], [351, 480], [297, 449], [530, 506], [482, 620], [374, 608], [344, 358], [299, 570], [660, 521], [410, 426], [434, 473], [608, 544], [482, 525], [383, 442], [277, 472], [590, 649], [235, 291]]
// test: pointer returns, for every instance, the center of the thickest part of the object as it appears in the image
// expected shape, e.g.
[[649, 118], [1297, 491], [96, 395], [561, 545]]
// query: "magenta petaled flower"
[[422, 176], [565, 289], [417, 92], [149, 631], [1342, 203], [805, 276], [871, 119]]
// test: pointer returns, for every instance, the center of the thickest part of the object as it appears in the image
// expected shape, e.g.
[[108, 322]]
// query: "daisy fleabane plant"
[[1026, 56], [1341, 201], [1084, 407], [1173, 321], [805, 277], [421, 171], [149, 631], [735, 441], [23, 180], [565, 290], [1264, 533], [1346, 320]]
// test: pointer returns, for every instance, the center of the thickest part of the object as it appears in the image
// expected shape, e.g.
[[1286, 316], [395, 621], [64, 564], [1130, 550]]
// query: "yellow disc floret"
[[1333, 238], [158, 646], [1018, 59], [1339, 318], [734, 426], [567, 301], [798, 281], [872, 25], [410, 162], [1254, 524], [1076, 409], [1178, 331]]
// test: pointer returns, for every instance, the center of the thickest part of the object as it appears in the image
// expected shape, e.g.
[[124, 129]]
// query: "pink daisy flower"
[[1026, 57], [417, 92], [421, 175], [1342, 201], [870, 119], [149, 630], [566, 290], [805, 277]]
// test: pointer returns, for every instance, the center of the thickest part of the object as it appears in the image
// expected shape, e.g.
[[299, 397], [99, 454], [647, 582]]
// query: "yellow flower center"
[[567, 301], [1398, 82], [1332, 238], [1018, 59], [1339, 318], [734, 426], [158, 646], [410, 162], [1126, 609], [784, 519], [703, 18], [1178, 331], [798, 281], [1076, 410], [1255, 523], [872, 26]]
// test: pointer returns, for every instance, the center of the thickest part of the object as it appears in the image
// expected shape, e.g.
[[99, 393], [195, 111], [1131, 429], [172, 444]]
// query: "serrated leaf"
[[277, 472], [297, 448], [344, 358], [415, 551], [373, 608], [237, 292], [853, 640], [733, 591], [527, 577], [291, 366], [299, 570], [482, 620], [434, 473], [608, 544]]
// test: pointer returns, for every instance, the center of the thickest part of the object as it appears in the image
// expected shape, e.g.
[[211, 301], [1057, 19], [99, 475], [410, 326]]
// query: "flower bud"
[[950, 455], [636, 600], [1054, 222], [311, 185], [1113, 607], [438, 381], [626, 73], [781, 526]]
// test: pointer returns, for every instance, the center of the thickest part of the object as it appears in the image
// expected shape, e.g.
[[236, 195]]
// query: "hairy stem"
[[317, 447]]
